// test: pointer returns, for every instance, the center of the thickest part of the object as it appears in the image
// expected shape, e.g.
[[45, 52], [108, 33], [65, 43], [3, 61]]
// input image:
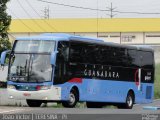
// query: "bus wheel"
[[94, 105], [129, 101], [73, 99], [34, 103]]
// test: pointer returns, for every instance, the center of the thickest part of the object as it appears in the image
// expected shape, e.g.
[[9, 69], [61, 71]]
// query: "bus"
[[69, 69]]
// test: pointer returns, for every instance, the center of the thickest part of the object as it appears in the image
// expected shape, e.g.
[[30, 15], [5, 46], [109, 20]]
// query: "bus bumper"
[[54, 93]]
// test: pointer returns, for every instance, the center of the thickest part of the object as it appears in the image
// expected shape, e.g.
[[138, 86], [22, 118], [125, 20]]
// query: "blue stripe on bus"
[[26, 83]]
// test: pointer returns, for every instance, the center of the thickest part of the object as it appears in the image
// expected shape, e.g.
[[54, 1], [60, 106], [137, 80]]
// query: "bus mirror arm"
[[53, 58], [3, 57]]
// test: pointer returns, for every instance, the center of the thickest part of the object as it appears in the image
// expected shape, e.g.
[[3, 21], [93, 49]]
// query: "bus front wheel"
[[73, 99], [34, 103]]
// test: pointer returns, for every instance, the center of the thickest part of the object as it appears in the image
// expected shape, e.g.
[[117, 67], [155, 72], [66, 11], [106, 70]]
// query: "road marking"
[[151, 108], [156, 100], [15, 110], [148, 103]]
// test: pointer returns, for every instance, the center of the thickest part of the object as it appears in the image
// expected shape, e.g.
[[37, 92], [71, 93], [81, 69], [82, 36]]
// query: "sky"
[[29, 9]]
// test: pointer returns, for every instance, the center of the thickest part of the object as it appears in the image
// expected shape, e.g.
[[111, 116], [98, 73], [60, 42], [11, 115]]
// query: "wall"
[[151, 38]]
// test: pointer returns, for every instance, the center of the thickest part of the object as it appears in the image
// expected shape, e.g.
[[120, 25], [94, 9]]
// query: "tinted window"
[[146, 59], [76, 52], [133, 58], [113, 56], [93, 54], [61, 69], [63, 50], [83, 52], [121, 57], [104, 55], [108, 55]]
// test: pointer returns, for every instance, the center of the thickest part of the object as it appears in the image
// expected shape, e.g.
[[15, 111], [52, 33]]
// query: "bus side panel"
[[145, 94], [108, 91], [66, 88], [103, 91]]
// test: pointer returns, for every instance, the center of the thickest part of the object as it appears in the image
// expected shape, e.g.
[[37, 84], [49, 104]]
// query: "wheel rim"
[[72, 99], [129, 101]]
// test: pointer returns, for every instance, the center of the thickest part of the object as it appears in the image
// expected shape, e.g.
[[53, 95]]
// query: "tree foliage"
[[5, 21]]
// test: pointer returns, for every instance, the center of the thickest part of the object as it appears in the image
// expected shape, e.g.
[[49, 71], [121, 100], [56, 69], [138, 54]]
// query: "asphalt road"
[[137, 113]]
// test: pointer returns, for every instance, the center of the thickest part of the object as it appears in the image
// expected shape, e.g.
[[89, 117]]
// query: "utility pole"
[[46, 12], [111, 9]]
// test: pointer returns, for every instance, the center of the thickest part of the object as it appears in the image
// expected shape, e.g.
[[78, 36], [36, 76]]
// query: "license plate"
[[27, 94]]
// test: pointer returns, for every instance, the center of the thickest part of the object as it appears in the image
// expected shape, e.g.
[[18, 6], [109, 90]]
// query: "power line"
[[20, 20], [30, 16], [131, 12], [95, 9], [32, 8], [103, 10], [40, 16]]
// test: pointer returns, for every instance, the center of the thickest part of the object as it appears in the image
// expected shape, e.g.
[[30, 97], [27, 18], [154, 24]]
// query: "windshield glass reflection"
[[30, 68]]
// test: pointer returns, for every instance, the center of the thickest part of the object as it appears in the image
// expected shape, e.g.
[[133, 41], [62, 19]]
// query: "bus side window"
[[91, 54], [120, 57], [106, 54], [62, 63], [146, 60], [75, 52], [133, 58], [63, 50]]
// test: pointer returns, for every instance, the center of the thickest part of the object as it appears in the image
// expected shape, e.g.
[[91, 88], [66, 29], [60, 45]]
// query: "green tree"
[[5, 21]]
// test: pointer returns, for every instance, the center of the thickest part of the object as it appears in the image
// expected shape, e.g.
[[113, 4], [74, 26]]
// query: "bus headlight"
[[11, 87], [43, 87]]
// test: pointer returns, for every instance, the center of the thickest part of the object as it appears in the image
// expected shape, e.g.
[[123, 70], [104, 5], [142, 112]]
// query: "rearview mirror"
[[3, 57], [53, 58]]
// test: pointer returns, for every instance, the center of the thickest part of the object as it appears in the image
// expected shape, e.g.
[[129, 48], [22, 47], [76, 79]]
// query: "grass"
[[157, 82]]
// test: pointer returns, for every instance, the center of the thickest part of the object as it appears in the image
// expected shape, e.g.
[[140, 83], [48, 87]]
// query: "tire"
[[34, 103], [94, 105], [129, 102], [72, 100]]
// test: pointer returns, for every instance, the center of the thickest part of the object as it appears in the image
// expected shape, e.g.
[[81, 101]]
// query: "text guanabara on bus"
[[69, 69]]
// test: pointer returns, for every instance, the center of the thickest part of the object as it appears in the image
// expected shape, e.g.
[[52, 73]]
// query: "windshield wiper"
[[26, 67]]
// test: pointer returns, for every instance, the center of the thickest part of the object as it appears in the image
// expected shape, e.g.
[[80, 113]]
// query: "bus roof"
[[59, 37], [69, 37]]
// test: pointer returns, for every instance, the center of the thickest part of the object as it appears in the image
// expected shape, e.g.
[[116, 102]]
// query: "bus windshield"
[[34, 46], [30, 61]]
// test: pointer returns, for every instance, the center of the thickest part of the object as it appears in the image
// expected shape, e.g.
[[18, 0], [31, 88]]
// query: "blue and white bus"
[[69, 69]]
